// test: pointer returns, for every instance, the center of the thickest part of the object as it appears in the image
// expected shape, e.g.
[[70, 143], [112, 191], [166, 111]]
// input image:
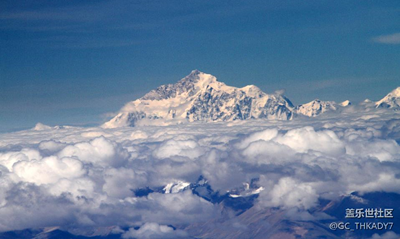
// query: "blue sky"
[[72, 62]]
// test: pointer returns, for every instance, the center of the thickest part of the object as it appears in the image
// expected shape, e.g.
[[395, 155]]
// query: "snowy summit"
[[200, 97], [316, 107], [391, 100]]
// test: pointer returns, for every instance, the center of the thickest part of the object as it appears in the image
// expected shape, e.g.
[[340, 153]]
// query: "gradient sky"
[[74, 62]]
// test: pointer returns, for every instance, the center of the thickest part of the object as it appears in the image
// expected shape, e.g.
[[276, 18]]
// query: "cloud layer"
[[91, 177], [388, 39]]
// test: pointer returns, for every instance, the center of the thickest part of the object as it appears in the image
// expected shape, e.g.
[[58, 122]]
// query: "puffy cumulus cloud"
[[8, 159], [6, 182], [382, 181], [183, 207], [264, 135], [98, 151], [119, 182], [77, 188], [51, 146], [270, 146], [383, 150], [154, 231], [166, 170], [30, 206], [183, 148], [306, 138], [367, 133], [288, 193], [268, 152], [180, 208], [48, 170], [94, 177], [221, 174]]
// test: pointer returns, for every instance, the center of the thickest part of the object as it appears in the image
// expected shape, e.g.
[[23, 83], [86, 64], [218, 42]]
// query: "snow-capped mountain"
[[176, 187], [200, 97], [316, 107], [345, 103], [391, 100]]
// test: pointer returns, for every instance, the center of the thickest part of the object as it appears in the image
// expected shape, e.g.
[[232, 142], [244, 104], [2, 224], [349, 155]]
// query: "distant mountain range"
[[200, 97]]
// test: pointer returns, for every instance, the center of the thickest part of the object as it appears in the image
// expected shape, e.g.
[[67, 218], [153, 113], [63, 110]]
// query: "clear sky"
[[73, 62]]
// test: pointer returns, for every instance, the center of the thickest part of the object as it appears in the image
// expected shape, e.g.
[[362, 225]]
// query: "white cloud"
[[120, 182], [81, 187], [264, 152], [30, 206], [304, 139], [388, 39], [8, 159], [383, 150], [383, 181], [88, 176], [182, 207], [288, 193], [185, 148], [50, 146], [264, 135], [48, 170], [221, 175], [99, 151]]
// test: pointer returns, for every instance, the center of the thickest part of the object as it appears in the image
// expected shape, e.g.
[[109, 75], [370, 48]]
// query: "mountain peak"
[[391, 100], [193, 76], [345, 103], [195, 72], [198, 77], [396, 92], [200, 97], [190, 84], [316, 107]]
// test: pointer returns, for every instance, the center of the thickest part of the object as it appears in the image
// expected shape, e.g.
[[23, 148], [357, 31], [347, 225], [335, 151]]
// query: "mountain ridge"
[[201, 97]]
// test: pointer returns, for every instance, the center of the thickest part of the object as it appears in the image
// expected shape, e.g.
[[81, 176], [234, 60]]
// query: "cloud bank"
[[92, 177]]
